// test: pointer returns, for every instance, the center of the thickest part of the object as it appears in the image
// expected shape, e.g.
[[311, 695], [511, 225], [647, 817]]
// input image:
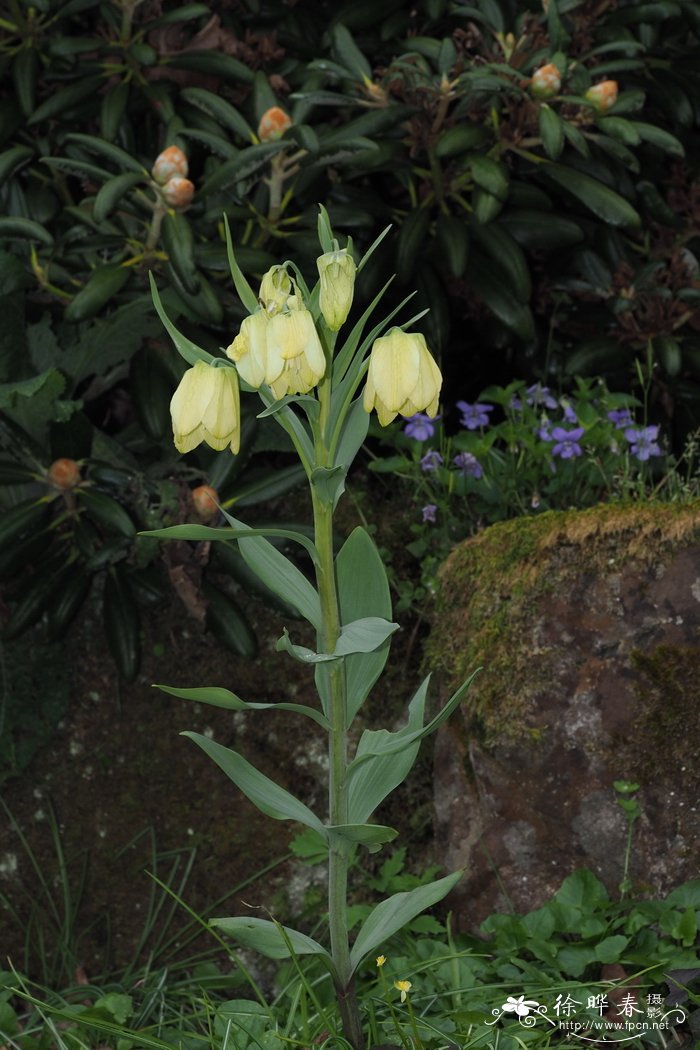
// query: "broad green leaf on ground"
[[271, 939]]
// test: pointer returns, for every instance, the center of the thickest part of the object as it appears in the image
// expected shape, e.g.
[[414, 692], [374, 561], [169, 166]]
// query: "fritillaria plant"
[[320, 388]]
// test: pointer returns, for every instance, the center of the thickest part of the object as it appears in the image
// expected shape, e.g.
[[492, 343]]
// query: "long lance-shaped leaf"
[[392, 914], [363, 590], [595, 195], [277, 572], [271, 799], [361, 636], [382, 742], [271, 939], [373, 836], [210, 533], [379, 774], [216, 696], [248, 296], [185, 347]]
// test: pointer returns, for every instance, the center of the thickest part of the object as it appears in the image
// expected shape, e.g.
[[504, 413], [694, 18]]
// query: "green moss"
[[493, 586]]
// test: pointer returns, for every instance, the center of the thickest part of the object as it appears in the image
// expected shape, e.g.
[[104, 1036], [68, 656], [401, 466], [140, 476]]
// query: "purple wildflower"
[[468, 465], [420, 427], [544, 431], [569, 414], [643, 442], [567, 442], [429, 512], [474, 416], [431, 460], [539, 396], [621, 417]]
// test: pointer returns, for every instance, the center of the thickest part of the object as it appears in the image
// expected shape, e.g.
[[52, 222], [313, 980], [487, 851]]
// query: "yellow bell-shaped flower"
[[295, 360], [402, 378], [206, 407], [249, 349], [337, 272]]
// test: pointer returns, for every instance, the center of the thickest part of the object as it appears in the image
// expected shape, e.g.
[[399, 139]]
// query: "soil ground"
[[117, 793]]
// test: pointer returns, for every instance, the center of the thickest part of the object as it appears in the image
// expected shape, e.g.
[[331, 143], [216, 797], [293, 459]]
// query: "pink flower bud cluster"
[[170, 171]]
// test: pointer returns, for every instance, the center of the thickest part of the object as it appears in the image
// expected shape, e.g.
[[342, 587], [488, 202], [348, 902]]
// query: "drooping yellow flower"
[[249, 349], [404, 987], [337, 272], [205, 407], [402, 378], [295, 358], [381, 959]]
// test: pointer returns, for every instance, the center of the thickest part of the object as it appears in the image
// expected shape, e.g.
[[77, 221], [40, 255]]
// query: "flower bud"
[[205, 500], [602, 96], [546, 81], [275, 289], [63, 474], [337, 273], [402, 377], [273, 124], [178, 192], [172, 161], [206, 407]]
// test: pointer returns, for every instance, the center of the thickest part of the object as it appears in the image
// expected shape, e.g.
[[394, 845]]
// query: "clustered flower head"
[[170, 173], [546, 81], [602, 96], [273, 124]]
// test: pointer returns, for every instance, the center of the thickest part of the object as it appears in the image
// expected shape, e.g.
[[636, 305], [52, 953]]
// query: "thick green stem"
[[339, 849]]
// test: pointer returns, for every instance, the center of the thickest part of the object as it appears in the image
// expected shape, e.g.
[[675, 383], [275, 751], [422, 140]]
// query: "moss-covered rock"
[[586, 626]]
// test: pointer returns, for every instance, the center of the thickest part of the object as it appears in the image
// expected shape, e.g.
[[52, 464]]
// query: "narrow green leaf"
[[370, 835], [271, 799], [26, 229], [221, 110], [393, 913], [111, 194], [120, 157], [601, 200], [208, 533], [279, 573], [185, 347], [271, 939], [216, 696], [364, 636], [246, 293]]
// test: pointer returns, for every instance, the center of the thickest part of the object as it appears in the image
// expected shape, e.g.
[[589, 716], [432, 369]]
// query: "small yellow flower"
[[381, 959], [337, 272], [404, 987], [402, 377], [205, 407]]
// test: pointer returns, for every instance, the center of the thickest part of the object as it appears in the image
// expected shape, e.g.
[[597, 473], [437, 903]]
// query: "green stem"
[[339, 850]]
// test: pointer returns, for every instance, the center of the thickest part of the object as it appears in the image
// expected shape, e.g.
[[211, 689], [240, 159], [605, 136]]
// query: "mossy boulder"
[[586, 625]]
